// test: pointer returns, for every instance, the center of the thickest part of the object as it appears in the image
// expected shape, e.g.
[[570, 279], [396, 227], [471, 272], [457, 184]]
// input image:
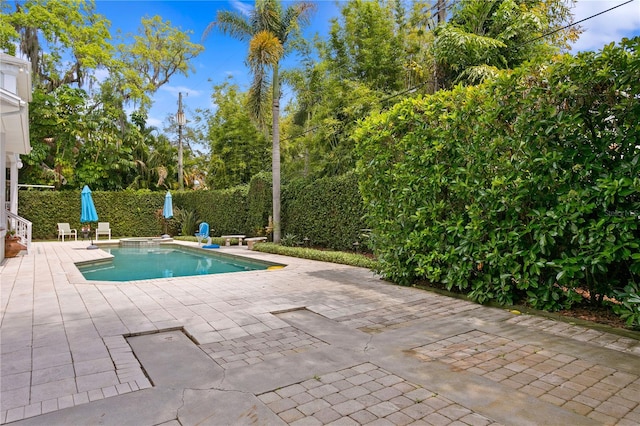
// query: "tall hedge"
[[132, 213], [259, 203], [526, 188], [224, 210], [329, 211]]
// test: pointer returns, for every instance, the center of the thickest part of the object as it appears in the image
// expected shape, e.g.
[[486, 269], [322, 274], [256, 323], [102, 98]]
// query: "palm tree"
[[267, 28]]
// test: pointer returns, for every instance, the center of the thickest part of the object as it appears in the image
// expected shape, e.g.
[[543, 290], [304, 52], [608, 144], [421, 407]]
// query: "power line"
[[573, 24], [379, 101]]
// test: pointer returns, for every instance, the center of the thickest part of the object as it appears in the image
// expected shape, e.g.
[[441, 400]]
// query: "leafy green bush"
[[522, 189], [629, 305], [344, 258], [289, 240]]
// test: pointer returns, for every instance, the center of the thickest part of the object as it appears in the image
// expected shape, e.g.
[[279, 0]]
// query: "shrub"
[[521, 189], [344, 258]]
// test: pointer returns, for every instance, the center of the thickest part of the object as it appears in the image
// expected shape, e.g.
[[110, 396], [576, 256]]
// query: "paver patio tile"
[[85, 324], [323, 390], [578, 407], [602, 418], [95, 394], [613, 410], [363, 417], [307, 421], [15, 414], [51, 390], [15, 381], [436, 419], [383, 409], [49, 405], [475, 420], [348, 407], [313, 407], [52, 374], [15, 362], [13, 398], [65, 402], [399, 419], [50, 360], [99, 365], [327, 415], [283, 404], [418, 411], [33, 410], [96, 381]]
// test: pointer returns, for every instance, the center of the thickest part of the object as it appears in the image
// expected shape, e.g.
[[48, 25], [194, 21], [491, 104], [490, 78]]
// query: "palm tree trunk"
[[275, 159]]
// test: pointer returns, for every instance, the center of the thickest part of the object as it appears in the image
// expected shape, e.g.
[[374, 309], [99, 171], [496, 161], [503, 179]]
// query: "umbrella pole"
[[165, 235], [91, 246]]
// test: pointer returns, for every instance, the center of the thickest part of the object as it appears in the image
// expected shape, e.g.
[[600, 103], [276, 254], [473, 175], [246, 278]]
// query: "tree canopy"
[[80, 133], [376, 54]]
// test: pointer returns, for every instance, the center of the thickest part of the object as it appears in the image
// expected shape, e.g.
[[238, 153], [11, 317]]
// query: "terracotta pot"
[[12, 246]]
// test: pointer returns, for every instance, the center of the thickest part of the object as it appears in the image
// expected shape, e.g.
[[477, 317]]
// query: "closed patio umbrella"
[[167, 212], [88, 211]]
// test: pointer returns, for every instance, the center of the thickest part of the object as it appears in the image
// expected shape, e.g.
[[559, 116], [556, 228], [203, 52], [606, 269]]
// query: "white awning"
[[14, 123]]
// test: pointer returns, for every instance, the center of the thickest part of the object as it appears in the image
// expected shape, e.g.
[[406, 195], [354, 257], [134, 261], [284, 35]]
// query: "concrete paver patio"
[[311, 344]]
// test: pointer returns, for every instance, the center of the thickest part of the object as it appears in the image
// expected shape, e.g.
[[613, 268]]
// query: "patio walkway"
[[311, 344]]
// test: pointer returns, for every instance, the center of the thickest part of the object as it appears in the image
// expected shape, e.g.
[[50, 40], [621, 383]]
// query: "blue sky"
[[224, 56]]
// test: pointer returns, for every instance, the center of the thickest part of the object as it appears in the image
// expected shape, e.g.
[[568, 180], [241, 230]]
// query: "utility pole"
[[441, 5], [180, 119]]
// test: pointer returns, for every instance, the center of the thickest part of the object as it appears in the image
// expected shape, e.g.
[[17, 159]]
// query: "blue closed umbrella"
[[88, 211], [167, 212]]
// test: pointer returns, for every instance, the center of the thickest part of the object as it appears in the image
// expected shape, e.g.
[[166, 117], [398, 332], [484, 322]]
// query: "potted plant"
[[12, 244]]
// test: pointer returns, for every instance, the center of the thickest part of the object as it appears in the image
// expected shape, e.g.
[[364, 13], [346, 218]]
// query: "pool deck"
[[310, 344]]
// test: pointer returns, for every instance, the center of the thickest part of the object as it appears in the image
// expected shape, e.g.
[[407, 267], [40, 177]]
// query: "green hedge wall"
[[259, 204], [129, 213], [526, 188], [224, 210], [328, 212]]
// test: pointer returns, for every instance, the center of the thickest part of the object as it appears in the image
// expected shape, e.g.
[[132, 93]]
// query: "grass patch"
[[344, 258]]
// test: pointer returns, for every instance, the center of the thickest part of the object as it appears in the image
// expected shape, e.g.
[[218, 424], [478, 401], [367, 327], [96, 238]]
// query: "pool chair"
[[203, 234], [103, 229], [64, 229]]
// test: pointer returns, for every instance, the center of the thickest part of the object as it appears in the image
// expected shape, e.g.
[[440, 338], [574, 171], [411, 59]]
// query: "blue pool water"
[[143, 263]]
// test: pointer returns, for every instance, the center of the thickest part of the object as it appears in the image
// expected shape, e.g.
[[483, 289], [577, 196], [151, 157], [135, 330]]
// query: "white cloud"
[[101, 74], [611, 26], [174, 90], [154, 122], [241, 7]]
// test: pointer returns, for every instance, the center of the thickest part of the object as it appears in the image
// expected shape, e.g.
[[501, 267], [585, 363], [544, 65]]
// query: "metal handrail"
[[22, 227]]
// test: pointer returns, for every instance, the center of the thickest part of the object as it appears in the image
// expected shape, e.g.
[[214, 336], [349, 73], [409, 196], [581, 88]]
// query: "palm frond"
[[265, 48], [258, 99], [293, 18], [266, 16], [231, 23]]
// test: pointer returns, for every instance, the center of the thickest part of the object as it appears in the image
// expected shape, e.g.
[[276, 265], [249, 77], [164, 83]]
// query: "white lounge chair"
[[103, 229], [64, 229]]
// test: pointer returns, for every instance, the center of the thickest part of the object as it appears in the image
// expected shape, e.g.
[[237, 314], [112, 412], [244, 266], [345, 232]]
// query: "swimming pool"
[[164, 261]]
